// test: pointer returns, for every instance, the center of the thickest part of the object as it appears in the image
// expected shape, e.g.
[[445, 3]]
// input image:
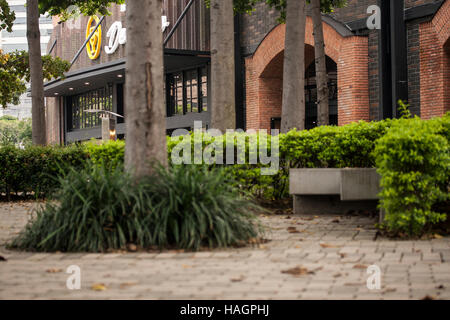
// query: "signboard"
[[93, 47], [116, 35]]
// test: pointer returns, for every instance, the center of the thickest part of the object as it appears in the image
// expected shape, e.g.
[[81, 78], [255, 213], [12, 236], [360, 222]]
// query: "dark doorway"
[[311, 94]]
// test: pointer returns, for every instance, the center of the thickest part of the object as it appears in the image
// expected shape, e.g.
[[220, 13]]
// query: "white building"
[[17, 40]]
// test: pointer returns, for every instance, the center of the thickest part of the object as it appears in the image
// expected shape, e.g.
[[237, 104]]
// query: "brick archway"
[[435, 64], [264, 75]]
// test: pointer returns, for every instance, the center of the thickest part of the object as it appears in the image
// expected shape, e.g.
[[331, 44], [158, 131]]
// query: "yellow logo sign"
[[94, 45]]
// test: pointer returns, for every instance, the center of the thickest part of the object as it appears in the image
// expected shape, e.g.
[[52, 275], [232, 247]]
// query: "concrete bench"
[[334, 191]]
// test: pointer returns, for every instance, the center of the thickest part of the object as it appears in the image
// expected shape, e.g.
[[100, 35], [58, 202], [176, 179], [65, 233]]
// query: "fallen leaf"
[[441, 287], [343, 255], [437, 236], [238, 279], [337, 275], [337, 220], [3, 259], [360, 266], [127, 284], [329, 246], [298, 271], [54, 270], [292, 230], [185, 266], [352, 284], [298, 247], [428, 297], [98, 287], [387, 290]]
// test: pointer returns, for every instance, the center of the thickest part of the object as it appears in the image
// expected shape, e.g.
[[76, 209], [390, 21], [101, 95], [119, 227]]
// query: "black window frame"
[[76, 104], [171, 95]]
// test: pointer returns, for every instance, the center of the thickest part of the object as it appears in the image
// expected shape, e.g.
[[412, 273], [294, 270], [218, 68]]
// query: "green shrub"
[[413, 159], [349, 146], [34, 170], [324, 147], [110, 154], [15, 132], [98, 208]]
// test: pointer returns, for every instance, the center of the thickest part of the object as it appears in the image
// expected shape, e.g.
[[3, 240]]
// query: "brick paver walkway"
[[331, 256]]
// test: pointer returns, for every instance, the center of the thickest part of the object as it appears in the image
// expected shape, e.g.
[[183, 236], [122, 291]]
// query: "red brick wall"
[[353, 81], [447, 78], [435, 64], [264, 73]]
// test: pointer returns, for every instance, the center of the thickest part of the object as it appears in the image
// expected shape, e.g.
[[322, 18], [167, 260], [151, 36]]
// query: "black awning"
[[97, 76]]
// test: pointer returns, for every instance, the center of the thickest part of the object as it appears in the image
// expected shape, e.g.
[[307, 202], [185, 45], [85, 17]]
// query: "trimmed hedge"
[[323, 147], [33, 170]]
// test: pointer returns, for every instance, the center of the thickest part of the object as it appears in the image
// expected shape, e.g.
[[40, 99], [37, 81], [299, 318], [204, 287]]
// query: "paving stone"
[[335, 270]]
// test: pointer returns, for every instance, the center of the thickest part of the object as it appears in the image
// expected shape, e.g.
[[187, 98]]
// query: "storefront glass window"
[[187, 92], [99, 99]]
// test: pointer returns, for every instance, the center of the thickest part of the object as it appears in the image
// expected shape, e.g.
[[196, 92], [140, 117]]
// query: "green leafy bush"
[[413, 159], [15, 132], [110, 154], [349, 146], [34, 170], [99, 208], [324, 147]]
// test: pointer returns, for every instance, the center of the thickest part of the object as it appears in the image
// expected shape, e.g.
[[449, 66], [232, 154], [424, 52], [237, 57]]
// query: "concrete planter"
[[334, 191]]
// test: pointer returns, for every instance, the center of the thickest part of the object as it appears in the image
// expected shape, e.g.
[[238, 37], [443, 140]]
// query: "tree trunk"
[[36, 74], [223, 91], [293, 111], [145, 112], [323, 111]]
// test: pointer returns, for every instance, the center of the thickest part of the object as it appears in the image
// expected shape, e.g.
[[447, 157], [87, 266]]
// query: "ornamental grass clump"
[[101, 208], [195, 206]]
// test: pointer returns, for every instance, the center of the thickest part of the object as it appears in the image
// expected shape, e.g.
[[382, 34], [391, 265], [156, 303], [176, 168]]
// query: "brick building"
[[354, 62]]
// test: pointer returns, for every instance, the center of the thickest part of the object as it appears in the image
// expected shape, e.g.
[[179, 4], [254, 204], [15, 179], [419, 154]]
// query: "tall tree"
[[146, 125], [15, 67], [293, 109], [323, 110], [7, 16], [36, 76], [318, 7], [223, 112], [15, 73]]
